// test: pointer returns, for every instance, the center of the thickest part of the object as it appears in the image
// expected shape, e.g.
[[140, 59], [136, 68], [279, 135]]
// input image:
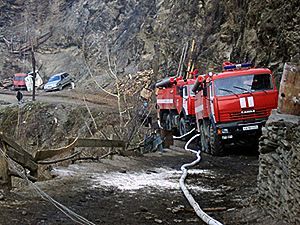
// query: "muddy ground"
[[137, 190], [143, 190]]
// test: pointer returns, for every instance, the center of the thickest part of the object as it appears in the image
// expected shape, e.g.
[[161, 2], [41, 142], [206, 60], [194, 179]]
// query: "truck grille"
[[257, 114]]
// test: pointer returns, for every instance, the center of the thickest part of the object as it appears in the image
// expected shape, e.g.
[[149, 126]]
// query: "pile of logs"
[[131, 85]]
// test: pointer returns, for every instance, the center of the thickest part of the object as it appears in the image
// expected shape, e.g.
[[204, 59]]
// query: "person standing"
[[19, 96]]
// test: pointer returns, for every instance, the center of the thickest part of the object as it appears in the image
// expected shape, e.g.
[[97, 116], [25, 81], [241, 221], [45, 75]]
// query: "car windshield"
[[243, 84], [54, 78], [19, 78]]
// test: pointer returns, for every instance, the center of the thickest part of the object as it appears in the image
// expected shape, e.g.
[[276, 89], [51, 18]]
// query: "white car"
[[58, 82]]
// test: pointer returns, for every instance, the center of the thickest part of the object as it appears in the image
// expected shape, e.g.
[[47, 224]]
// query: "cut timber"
[[84, 142], [289, 92], [18, 154], [79, 142], [146, 93], [42, 155], [60, 160]]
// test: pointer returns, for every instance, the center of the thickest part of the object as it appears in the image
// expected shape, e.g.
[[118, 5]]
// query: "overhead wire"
[[65, 210]]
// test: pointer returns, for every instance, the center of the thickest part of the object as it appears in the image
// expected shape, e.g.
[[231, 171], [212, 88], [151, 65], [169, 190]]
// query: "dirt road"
[[69, 97], [143, 190]]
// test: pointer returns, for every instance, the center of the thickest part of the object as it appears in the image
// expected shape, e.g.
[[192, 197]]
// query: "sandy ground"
[[143, 190]]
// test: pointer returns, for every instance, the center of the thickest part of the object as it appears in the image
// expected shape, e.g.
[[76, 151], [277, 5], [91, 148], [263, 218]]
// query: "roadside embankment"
[[279, 168]]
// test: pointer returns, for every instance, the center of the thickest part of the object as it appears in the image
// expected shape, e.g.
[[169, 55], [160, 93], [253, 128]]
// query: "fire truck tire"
[[164, 120], [216, 145], [183, 127], [203, 140], [169, 122]]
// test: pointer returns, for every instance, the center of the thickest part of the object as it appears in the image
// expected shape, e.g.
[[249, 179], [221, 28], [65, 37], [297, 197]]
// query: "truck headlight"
[[225, 131]]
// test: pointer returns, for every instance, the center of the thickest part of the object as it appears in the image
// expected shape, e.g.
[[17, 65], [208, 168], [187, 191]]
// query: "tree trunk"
[[33, 72], [289, 91]]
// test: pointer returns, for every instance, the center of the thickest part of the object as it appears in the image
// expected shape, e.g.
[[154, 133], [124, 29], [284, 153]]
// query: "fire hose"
[[186, 134], [205, 217]]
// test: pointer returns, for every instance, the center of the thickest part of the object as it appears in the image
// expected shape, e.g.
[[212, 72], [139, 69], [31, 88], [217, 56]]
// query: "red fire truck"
[[176, 104], [233, 106]]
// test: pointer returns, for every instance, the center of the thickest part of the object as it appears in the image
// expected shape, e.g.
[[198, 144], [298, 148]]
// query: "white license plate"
[[254, 127]]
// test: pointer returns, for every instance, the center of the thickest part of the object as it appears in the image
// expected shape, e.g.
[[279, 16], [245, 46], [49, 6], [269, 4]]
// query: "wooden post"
[[5, 179], [33, 72], [289, 91]]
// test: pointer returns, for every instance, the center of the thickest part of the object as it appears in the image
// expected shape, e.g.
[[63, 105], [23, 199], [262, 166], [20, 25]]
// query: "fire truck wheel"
[[203, 140], [164, 120], [216, 145], [169, 123], [183, 127]]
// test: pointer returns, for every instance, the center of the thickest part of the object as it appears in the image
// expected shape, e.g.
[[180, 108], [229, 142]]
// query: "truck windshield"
[[243, 84]]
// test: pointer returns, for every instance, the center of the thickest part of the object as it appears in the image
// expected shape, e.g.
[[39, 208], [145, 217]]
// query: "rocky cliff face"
[[84, 33]]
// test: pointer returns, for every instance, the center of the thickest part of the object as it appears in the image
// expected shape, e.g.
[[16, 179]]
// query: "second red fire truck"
[[176, 104]]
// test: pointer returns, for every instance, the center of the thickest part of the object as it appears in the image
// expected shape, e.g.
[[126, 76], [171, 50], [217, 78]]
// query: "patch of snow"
[[160, 179], [62, 172]]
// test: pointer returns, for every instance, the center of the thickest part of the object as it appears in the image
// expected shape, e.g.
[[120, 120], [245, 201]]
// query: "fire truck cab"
[[232, 106]]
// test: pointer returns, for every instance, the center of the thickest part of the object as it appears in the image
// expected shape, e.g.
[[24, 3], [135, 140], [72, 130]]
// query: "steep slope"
[[84, 33]]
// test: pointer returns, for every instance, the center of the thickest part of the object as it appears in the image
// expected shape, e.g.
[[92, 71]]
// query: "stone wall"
[[279, 168]]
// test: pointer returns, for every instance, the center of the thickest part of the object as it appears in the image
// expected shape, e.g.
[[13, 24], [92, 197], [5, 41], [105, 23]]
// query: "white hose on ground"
[[186, 134], [205, 217]]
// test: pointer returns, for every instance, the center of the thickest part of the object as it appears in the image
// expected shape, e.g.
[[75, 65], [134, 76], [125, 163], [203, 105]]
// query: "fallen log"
[[93, 142], [18, 154], [59, 160], [94, 158], [42, 155]]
